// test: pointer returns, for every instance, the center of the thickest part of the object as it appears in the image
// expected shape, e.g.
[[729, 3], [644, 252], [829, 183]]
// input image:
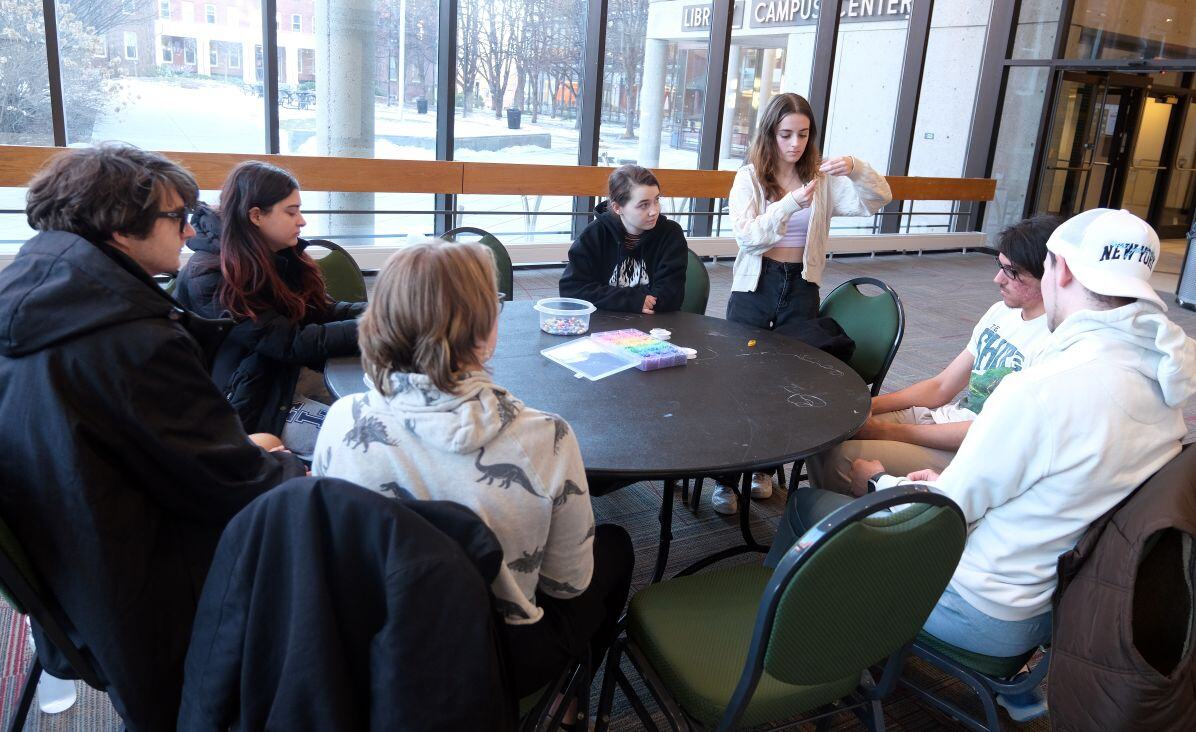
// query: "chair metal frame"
[[506, 270], [44, 611], [984, 686], [573, 683], [795, 559]]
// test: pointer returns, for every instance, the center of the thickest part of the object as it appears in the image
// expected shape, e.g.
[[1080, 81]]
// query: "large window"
[[656, 65], [864, 91], [949, 80], [1037, 26], [519, 75], [365, 88], [1115, 29], [1013, 159], [160, 98]]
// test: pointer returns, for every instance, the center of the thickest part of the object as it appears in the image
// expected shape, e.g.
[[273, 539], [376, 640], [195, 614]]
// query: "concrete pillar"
[[652, 102], [345, 31], [798, 60], [768, 68], [734, 73]]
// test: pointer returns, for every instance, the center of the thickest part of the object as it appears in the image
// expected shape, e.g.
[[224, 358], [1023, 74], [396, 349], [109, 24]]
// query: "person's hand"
[[923, 476], [650, 305], [266, 441], [843, 165], [873, 429], [805, 195], [861, 471]]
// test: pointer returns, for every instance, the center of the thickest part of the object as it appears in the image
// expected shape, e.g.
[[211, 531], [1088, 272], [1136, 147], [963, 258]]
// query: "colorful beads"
[[652, 353], [564, 325]]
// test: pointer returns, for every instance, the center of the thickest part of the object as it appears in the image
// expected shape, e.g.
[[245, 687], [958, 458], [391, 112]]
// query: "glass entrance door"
[[1116, 142], [1179, 195]]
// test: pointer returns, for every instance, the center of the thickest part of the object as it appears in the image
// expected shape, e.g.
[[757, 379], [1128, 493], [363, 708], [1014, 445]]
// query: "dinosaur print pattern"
[[366, 430], [570, 489], [507, 411], [528, 563], [510, 609], [504, 473], [589, 535], [560, 428], [563, 588], [395, 490]]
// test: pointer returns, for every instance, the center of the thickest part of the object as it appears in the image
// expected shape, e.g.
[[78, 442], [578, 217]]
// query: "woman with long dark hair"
[[250, 265], [781, 205]]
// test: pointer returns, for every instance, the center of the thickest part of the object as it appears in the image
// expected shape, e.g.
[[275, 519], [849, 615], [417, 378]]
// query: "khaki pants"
[[831, 469]]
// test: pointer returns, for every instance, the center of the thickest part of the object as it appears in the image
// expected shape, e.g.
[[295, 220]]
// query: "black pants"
[[538, 653], [781, 296]]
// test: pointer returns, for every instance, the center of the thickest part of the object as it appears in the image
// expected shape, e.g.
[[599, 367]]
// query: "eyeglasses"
[[1010, 271], [502, 299], [180, 214]]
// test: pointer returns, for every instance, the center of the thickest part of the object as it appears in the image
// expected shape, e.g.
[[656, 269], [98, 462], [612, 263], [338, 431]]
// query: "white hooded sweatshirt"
[[1060, 443], [517, 468]]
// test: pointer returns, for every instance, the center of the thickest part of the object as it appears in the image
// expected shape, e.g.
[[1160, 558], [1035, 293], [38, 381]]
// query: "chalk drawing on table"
[[799, 398]]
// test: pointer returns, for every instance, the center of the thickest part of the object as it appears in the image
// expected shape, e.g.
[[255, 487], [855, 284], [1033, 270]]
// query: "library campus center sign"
[[774, 13]]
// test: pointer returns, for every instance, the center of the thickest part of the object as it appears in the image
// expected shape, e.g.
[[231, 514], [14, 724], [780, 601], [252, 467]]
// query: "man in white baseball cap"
[[1109, 254], [1059, 443]]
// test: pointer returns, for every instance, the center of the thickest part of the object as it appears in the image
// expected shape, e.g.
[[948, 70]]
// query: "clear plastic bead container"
[[564, 315]]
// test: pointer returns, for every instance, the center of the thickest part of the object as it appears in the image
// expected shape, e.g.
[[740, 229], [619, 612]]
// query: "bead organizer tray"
[[649, 353]]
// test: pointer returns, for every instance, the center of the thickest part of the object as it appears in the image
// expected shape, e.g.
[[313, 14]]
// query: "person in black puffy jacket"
[[249, 265], [631, 258]]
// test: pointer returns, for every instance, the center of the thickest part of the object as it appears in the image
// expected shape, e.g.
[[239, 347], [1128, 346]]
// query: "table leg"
[[745, 503], [666, 529]]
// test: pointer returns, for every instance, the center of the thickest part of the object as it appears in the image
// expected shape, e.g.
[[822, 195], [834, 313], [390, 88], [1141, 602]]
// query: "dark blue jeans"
[[781, 296]]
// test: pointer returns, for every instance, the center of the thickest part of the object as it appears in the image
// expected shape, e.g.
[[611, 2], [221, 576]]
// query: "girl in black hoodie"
[[631, 258], [249, 265]]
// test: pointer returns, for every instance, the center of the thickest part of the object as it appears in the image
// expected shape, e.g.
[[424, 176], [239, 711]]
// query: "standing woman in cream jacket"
[[781, 205]]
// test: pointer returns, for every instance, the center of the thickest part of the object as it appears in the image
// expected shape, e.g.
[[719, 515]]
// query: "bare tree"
[[24, 82], [469, 25], [625, 52], [498, 49]]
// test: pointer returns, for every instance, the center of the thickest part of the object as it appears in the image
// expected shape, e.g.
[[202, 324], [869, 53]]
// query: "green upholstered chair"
[[502, 259], [19, 586], [986, 676], [875, 322], [746, 645], [697, 286], [342, 277]]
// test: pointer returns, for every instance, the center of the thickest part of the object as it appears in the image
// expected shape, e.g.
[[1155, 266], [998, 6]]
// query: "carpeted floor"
[[943, 294]]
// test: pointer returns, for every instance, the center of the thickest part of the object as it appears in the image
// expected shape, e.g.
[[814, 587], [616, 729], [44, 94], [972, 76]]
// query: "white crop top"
[[795, 233]]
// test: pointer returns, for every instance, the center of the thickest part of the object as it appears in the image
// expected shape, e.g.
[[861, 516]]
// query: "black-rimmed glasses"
[[179, 214], [1010, 271]]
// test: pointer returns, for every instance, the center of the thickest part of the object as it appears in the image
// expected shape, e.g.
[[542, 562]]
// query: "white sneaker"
[[724, 500], [762, 485]]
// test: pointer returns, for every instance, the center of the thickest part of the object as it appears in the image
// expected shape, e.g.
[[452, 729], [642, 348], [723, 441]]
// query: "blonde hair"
[[765, 156], [433, 304]]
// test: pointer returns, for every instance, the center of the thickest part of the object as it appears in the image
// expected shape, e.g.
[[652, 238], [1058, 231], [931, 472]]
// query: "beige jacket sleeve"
[[757, 225], [861, 193]]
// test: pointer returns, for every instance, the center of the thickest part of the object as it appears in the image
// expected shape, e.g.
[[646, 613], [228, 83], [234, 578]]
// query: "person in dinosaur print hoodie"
[[434, 425]]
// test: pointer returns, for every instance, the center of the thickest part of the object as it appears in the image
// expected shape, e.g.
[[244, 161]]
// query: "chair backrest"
[[875, 322], [502, 259], [20, 586], [854, 590], [697, 286], [342, 277]]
